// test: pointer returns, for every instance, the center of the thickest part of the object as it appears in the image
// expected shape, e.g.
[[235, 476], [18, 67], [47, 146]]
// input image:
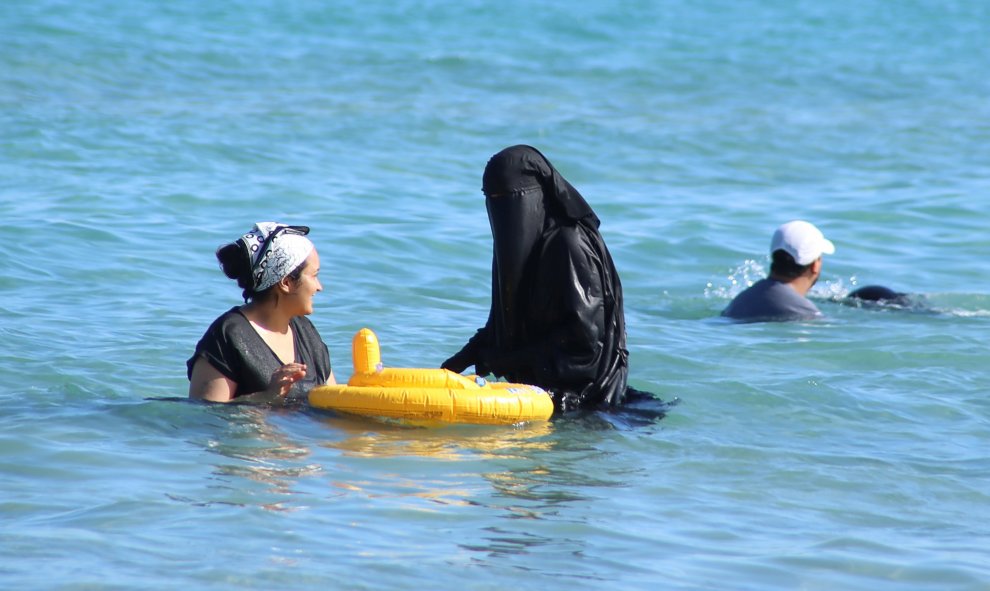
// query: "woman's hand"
[[283, 378]]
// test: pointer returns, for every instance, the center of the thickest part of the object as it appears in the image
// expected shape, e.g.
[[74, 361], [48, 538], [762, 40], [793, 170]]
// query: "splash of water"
[[737, 279]]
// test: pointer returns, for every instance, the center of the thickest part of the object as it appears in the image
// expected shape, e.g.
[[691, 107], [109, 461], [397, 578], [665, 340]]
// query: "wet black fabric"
[[556, 319], [236, 350]]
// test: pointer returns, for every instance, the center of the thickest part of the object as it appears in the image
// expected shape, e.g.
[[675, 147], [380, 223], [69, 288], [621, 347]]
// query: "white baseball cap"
[[801, 240]]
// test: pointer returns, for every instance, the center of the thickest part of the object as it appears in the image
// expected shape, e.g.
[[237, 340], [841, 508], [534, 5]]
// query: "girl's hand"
[[284, 377]]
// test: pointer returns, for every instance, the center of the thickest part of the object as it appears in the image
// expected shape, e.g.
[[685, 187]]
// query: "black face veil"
[[517, 219], [525, 197]]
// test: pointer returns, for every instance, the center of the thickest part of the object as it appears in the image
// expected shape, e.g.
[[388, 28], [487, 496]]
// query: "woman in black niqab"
[[556, 319]]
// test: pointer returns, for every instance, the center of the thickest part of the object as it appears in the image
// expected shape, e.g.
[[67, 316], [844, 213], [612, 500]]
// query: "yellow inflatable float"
[[430, 394]]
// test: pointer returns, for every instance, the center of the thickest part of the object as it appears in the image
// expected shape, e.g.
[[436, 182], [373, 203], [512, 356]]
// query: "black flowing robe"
[[565, 328]]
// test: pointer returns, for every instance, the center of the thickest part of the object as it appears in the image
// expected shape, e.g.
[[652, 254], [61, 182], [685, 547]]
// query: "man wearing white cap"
[[796, 263]]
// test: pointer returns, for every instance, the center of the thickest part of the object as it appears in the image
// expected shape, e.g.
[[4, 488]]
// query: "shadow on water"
[[640, 409]]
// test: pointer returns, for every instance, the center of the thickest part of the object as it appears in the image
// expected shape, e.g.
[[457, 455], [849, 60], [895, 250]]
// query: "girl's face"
[[308, 284]]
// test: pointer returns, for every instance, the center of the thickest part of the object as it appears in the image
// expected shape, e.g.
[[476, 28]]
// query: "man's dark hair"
[[783, 265]]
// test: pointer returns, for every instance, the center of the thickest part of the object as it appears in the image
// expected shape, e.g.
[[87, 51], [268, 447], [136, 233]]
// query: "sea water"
[[848, 453]]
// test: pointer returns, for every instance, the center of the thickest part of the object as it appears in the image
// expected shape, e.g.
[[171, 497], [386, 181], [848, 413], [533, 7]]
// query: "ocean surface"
[[849, 453]]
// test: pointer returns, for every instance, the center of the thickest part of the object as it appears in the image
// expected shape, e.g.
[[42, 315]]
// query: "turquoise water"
[[136, 137]]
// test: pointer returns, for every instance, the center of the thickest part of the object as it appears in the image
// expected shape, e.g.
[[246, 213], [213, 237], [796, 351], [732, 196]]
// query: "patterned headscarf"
[[275, 250]]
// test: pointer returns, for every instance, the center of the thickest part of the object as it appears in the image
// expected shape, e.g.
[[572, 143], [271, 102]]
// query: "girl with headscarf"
[[265, 350], [556, 318]]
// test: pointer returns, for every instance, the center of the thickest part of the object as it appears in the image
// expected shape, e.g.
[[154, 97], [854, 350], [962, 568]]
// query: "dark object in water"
[[880, 294]]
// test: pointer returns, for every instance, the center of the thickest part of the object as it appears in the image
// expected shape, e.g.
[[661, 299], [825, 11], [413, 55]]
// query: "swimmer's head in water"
[[879, 294]]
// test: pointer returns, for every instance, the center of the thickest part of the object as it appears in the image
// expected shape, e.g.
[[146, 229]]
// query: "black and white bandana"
[[286, 251]]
